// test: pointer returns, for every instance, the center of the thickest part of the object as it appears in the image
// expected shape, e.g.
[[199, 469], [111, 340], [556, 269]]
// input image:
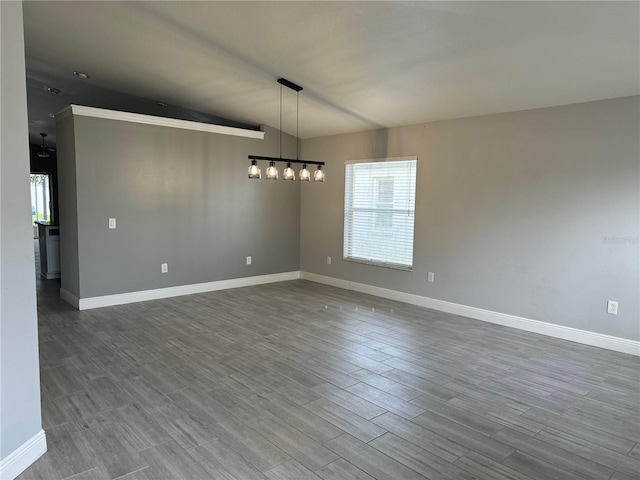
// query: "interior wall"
[[20, 418], [179, 197], [532, 213], [68, 206]]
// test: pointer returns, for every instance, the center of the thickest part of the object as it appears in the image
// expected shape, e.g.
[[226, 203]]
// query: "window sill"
[[394, 266]]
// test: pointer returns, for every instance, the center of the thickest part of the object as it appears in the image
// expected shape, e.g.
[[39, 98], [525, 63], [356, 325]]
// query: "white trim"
[[70, 298], [609, 342], [22, 457], [158, 121], [155, 294]]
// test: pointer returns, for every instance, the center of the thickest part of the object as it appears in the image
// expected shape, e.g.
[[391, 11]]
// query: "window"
[[379, 212], [40, 198]]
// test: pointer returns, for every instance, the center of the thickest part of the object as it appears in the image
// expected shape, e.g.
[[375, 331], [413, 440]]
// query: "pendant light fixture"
[[254, 170], [43, 152], [272, 171], [304, 173], [318, 175], [289, 173]]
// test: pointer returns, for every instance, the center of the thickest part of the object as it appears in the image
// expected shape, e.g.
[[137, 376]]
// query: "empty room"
[[288, 240]]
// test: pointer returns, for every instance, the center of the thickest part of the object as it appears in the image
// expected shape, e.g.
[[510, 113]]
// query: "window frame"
[[378, 263]]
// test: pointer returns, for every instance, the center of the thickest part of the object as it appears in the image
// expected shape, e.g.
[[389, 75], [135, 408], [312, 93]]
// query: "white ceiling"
[[363, 65]]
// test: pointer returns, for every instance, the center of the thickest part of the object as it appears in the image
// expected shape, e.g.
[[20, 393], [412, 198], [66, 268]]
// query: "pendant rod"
[[280, 129]]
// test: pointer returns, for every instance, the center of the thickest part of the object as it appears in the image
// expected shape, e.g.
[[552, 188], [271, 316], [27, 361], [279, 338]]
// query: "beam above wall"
[[158, 121]]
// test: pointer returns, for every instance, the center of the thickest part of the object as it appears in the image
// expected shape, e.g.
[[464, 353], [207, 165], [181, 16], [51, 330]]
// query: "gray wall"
[[68, 206], [532, 213], [180, 197], [19, 375]]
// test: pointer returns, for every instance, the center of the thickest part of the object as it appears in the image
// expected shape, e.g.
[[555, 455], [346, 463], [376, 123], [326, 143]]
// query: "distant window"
[[379, 212], [40, 198]]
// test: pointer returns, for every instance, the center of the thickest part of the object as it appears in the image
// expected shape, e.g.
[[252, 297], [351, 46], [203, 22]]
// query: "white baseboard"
[[158, 293], [49, 275], [609, 342], [70, 298], [22, 457]]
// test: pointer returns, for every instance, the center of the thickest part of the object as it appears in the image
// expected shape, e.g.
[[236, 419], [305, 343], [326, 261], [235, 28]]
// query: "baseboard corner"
[[70, 298], [22, 457]]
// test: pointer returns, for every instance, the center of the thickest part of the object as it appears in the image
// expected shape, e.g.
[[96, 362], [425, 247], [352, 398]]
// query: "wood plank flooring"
[[296, 380]]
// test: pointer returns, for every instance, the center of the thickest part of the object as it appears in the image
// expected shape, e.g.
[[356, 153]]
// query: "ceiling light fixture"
[[272, 171], [318, 175], [81, 75], [55, 91], [161, 104], [43, 153], [254, 170], [304, 173], [289, 174]]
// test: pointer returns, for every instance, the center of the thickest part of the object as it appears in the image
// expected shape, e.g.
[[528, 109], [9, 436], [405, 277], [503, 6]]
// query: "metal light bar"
[[278, 159]]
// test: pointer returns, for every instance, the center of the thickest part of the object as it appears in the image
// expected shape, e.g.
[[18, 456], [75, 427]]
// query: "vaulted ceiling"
[[362, 65]]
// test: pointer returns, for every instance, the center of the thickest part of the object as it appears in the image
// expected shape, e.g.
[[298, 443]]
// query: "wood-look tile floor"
[[297, 380]]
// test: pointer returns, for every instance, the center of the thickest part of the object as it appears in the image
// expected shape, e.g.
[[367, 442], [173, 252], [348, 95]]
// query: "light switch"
[[112, 223]]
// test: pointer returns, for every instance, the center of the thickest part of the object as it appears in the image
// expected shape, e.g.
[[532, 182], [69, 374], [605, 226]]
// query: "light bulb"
[[288, 173], [272, 171], [254, 170], [318, 175], [304, 173]]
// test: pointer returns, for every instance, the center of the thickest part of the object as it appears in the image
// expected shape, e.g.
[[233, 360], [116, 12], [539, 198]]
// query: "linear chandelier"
[[288, 173]]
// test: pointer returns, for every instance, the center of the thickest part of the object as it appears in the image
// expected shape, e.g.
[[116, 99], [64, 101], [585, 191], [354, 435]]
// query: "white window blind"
[[379, 212]]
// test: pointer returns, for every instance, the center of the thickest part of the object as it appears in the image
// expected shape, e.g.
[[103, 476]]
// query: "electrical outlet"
[[112, 223], [248, 259], [431, 277], [328, 260], [164, 268], [612, 307]]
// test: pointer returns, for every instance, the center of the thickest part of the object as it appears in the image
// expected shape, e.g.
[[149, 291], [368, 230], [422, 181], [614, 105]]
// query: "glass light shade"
[[272, 171], [304, 173], [288, 173], [318, 175], [254, 170]]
